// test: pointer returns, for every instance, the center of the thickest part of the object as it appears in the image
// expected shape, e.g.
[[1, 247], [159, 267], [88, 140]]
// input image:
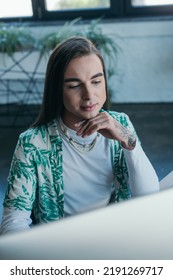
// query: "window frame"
[[35, 17], [113, 11], [145, 11], [119, 9]]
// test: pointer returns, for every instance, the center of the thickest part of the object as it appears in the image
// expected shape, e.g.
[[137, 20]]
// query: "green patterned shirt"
[[35, 181]]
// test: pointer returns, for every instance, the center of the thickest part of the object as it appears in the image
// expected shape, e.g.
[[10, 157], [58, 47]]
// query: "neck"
[[78, 143], [70, 121]]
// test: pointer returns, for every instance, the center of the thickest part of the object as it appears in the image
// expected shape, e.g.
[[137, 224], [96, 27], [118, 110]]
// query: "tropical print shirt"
[[35, 181]]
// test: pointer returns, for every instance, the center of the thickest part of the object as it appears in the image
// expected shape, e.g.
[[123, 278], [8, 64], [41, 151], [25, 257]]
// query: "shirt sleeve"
[[142, 176], [20, 194], [15, 220]]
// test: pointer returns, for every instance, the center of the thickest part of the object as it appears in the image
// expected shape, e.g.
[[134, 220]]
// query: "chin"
[[91, 115]]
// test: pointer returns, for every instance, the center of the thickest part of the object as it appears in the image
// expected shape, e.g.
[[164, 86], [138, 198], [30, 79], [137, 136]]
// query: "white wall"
[[145, 63]]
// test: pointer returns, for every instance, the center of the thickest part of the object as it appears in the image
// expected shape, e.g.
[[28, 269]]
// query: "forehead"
[[84, 66]]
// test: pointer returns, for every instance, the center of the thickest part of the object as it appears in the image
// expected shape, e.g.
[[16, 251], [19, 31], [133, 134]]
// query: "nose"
[[87, 93]]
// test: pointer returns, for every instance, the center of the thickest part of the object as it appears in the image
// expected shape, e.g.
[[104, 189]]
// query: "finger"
[[99, 125], [80, 123], [87, 124]]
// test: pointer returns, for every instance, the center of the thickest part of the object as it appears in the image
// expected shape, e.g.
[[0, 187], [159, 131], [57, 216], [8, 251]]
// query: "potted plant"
[[15, 39]]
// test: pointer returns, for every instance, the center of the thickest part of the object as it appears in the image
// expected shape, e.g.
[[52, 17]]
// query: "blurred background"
[[136, 40]]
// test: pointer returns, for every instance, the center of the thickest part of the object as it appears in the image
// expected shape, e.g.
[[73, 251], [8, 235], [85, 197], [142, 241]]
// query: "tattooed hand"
[[109, 128]]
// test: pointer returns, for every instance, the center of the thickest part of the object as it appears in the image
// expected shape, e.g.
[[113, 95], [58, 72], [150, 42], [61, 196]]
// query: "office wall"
[[145, 60]]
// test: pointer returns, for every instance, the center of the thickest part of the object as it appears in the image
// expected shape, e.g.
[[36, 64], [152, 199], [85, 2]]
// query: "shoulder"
[[39, 136], [33, 133]]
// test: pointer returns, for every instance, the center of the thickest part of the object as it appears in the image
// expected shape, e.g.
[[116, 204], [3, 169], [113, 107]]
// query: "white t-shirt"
[[88, 177]]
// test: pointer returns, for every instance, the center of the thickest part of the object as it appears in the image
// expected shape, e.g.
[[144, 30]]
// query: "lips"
[[88, 108]]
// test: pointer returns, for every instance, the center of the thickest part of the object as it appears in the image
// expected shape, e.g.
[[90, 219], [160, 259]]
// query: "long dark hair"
[[52, 104]]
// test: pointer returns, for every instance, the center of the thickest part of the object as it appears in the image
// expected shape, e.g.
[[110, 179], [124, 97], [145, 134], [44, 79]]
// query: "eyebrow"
[[67, 80]]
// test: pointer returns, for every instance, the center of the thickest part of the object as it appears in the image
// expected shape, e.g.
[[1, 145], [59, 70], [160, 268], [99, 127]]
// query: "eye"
[[74, 86], [95, 82]]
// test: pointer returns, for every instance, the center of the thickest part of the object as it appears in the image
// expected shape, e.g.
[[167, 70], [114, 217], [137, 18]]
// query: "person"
[[77, 156]]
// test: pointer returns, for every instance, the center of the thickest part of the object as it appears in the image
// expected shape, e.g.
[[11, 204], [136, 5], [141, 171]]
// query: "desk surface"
[[141, 228]]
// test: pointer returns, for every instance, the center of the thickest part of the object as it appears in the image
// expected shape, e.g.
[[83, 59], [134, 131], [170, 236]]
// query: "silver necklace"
[[84, 148]]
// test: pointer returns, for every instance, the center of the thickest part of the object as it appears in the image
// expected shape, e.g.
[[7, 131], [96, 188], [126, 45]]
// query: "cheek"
[[69, 100], [102, 94]]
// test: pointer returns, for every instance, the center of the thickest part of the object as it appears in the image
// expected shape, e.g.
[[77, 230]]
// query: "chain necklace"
[[84, 148]]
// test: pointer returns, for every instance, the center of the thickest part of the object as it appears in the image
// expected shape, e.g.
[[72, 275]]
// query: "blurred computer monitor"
[[140, 228]]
